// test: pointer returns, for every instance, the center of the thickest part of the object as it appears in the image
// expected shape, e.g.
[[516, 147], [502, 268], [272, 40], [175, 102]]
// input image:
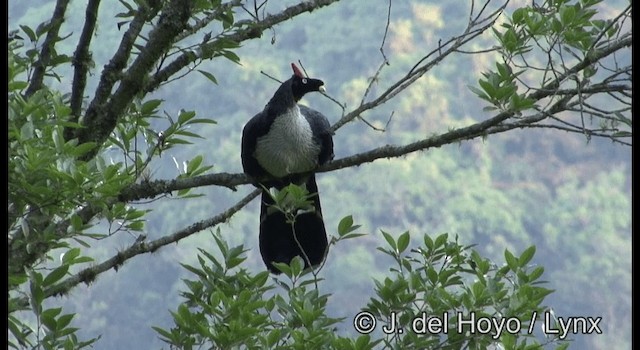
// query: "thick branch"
[[201, 23], [22, 257], [89, 274], [100, 120], [112, 71], [392, 151], [82, 60], [40, 66], [249, 30], [154, 188], [103, 113]]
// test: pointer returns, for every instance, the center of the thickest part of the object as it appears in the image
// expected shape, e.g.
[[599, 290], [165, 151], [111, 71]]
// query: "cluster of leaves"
[[52, 328], [442, 277], [226, 306], [555, 43], [57, 194], [559, 22], [500, 89]]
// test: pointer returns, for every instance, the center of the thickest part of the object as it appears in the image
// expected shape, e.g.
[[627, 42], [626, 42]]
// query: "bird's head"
[[300, 84]]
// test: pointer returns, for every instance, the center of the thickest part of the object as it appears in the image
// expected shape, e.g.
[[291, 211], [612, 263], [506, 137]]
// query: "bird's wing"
[[256, 127]]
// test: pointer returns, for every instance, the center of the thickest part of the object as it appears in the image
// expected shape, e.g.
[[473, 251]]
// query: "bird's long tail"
[[277, 241]]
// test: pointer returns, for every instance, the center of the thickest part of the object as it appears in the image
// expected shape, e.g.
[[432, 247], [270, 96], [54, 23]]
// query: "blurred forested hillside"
[[567, 194]]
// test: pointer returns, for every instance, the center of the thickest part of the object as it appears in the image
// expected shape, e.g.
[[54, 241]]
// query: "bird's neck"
[[282, 101]]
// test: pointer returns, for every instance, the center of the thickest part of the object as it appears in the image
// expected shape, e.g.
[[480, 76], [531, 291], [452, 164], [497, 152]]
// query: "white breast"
[[288, 147]]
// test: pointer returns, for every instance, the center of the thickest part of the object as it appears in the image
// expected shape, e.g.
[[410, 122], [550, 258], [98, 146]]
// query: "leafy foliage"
[[81, 160], [228, 307], [52, 192]]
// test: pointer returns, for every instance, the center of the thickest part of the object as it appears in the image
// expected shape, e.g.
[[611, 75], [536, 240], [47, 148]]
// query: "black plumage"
[[281, 145]]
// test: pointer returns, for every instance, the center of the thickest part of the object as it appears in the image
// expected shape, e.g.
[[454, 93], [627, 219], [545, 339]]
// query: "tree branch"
[[422, 67], [101, 119], [248, 30], [550, 88], [23, 257], [47, 48], [81, 61], [112, 71], [89, 274], [201, 23], [153, 188]]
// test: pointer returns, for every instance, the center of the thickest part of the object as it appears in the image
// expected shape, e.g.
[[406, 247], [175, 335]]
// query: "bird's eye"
[[304, 80]]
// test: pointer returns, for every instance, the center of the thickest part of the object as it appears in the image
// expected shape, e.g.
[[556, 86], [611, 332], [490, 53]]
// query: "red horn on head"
[[296, 70]]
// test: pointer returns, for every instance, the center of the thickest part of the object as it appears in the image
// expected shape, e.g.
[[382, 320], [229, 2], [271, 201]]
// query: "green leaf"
[[43, 28], [345, 225], [622, 134], [26, 131], [59, 59], [202, 121], [162, 332], [82, 149], [519, 15], [76, 222], [536, 273], [488, 88], [428, 242], [567, 15], [55, 275], [432, 275], [194, 163], [136, 225], [284, 268], [297, 265], [185, 116], [230, 55], [134, 214], [209, 76], [18, 85], [403, 241], [441, 240], [150, 106], [30, 33], [36, 292], [353, 235], [390, 240], [16, 280], [175, 141], [526, 256], [511, 260], [64, 320], [48, 318], [479, 93], [82, 259], [70, 255]]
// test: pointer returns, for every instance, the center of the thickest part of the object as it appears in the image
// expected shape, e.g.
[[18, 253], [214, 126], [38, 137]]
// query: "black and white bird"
[[281, 145]]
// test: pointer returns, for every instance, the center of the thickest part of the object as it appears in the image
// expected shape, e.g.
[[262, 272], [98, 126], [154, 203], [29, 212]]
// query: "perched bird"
[[281, 145]]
